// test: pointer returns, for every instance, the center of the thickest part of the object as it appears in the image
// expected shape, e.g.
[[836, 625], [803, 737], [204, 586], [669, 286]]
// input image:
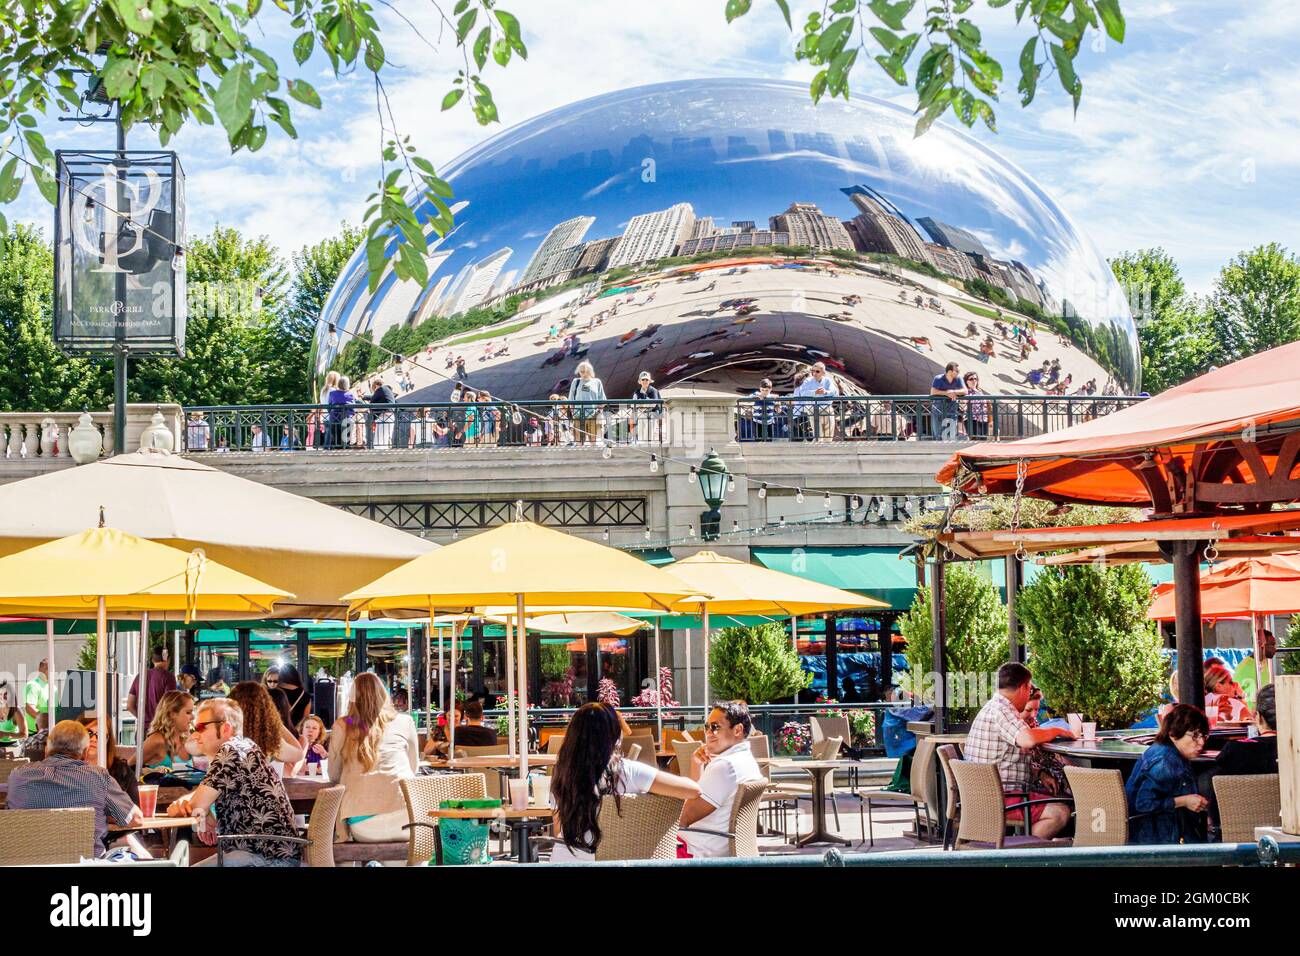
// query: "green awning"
[[655, 556], [874, 572], [685, 622]]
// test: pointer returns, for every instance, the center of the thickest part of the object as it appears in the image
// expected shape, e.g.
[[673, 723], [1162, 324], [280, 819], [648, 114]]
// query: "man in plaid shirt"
[[64, 780], [999, 736]]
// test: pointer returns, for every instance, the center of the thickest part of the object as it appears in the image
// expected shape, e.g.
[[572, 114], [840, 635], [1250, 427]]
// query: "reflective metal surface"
[[716, 232]]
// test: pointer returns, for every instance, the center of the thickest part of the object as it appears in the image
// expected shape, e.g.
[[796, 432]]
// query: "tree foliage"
[[1175, 342], [1256, 302], [977, 636], [184, 62], [754, 664], [1091, 648]]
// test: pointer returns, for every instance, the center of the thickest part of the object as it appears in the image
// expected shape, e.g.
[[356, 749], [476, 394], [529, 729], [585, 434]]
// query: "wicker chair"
[[646, 754], [922, 790], [742, 830], [683, 750], [645, 828], [554, 743], [776, 798], [1247, 801], [1101, 816], [320, 827], [983, 818], [9, 764], [46, 837], [423, 794]]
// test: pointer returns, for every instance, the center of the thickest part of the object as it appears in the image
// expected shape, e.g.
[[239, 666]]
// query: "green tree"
[[172, 65], [1175, 340], [754, 664], [1289, 663], [284, 344], [38, 377], [1091, 648], [1256, 302], [977, 639]]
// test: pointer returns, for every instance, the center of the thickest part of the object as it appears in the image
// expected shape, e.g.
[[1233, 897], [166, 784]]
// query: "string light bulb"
[[607, 452], [826, 500], [735, 527], [691, 476], [178, 259], [647, 534], [782, 521], [731, 483], [762, 490], [333, 339], [654, 464], [516, 418], [89, 214], [455, 533], [798, 495], [690, 530], [606, 534]]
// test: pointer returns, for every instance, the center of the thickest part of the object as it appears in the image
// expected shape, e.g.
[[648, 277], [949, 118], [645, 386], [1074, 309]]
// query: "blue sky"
[[1188, 135]]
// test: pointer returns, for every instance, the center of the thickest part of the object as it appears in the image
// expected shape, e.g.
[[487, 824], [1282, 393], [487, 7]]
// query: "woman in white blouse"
[[372, 749]]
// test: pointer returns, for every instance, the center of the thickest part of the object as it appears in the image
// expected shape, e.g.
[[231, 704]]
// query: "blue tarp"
[[863, 668]]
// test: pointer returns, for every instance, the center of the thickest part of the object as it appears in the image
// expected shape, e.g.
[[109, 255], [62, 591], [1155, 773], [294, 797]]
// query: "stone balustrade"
[[43, 436]]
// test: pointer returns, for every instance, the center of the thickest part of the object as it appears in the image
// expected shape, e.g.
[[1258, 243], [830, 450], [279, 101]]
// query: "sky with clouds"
[[1188, 135]]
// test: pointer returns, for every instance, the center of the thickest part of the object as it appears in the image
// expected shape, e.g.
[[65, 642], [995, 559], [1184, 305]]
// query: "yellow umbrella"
[[521, 563], [577, 622], [110, 570], [740, 588]]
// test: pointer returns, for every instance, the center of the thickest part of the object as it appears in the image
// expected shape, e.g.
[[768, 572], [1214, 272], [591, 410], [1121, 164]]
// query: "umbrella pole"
[[142, 687], [522, 684], [428, 668], [794, 634], [51, 697], [451, 706], [706, 661], [689, 695], [101, 689], [1256, 645], [510, 681], [659, 690], [441, 694], [176, 650]]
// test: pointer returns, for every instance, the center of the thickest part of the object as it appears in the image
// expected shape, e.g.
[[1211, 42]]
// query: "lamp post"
[[713, 485]]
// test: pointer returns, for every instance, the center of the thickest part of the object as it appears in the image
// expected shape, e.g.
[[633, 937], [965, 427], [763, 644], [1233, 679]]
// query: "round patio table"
[[1122, 752], [819, 770], [521, 824]]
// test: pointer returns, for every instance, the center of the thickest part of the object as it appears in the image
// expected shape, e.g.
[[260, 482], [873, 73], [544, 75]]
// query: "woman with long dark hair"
[[589, 768]]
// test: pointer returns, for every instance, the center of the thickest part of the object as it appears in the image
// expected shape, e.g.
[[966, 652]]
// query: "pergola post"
[[1185, 556], [1015, 574], [939, 621]]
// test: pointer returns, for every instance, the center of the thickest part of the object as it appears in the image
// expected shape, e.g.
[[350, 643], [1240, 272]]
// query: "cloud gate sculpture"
[[717, 232]]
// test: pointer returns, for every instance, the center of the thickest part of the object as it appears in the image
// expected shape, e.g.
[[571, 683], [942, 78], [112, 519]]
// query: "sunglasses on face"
[[202, 725], [715, 728]]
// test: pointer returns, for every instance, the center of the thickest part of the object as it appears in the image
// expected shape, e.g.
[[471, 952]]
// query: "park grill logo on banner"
[[77, 910]]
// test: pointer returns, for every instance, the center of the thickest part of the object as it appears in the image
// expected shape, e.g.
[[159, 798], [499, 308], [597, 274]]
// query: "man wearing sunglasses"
[[720, 767], [241, 788]]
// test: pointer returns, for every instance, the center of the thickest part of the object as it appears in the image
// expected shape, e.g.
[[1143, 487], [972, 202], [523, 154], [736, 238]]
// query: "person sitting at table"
[[13, 722], [1223, 696], [1162, 781], [590, 767], [67, 778], [439, 741], [999, 735], [1254, 754], [33, 748], [1043, 761], [263, 724], [720, 766], [241, 789], [474, 733], [164, 748], [371, 750], [314, 740], [118, 769]]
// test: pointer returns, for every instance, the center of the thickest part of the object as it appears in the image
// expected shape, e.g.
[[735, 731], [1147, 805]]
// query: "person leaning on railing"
[[815, 421], [586, 396], [338, 431]]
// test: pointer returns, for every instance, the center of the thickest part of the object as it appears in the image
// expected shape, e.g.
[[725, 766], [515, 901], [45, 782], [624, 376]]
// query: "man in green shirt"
[[36, 696]]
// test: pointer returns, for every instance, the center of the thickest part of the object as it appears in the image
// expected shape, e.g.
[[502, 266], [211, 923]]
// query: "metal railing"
[[382, 427], [917, 417]]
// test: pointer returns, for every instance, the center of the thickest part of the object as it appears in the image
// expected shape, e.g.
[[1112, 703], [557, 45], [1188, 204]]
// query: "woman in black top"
[[290, 681]]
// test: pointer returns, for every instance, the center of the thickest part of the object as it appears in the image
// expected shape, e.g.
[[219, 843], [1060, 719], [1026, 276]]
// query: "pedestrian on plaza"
[[647, 417], [977, 409], [197, 432], [586, 398], [318, 421], [816, 420], [158, 681], [339, 432], [382, 395]]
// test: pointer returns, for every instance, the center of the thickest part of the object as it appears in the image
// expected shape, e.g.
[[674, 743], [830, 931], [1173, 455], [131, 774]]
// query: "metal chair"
[[921, 781], [423, 794], [776, 798], [742, 830], [46, 837], [641, 827], [947, 753], [983, 818], [1247, 801]]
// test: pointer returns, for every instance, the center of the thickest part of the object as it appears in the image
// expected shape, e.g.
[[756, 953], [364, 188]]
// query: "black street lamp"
[[713, 476]]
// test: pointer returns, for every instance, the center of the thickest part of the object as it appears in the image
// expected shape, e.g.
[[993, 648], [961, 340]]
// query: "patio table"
[[521, 824], [1122, 752], [819, 770], [167, 824]]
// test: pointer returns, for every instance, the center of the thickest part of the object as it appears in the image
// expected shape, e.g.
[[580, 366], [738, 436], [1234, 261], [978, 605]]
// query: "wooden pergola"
[[1210, 460]]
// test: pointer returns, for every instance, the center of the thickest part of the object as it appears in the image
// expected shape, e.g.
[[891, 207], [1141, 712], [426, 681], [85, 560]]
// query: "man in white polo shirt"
[[720, 767]]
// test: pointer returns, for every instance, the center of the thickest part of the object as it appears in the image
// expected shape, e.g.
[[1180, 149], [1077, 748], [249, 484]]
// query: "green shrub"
[[754, 664], [1091, 648], [977, 639]]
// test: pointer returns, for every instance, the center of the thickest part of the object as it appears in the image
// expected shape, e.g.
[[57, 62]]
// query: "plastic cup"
[[148, 798], [542, 790], [519, 794], [1089, 730], [1076, 724]]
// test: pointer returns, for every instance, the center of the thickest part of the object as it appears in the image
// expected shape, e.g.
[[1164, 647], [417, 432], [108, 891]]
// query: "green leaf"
[[891, 14], [1113, 18], [304, 92], [1070, 81], [452, 98], [481, 46], [256, 138], [785, 12], [374, 55], [280, 114], [234, 98], [461, 6], [36, 143], [303, 46], [844, 6], [833, 38], [465, 25], [501, 51], [46, 184], [10, 183], [137, 16], [818, 86], [509, 23], [736, 9], [119, 77], [1028, 71], [886, 38]]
